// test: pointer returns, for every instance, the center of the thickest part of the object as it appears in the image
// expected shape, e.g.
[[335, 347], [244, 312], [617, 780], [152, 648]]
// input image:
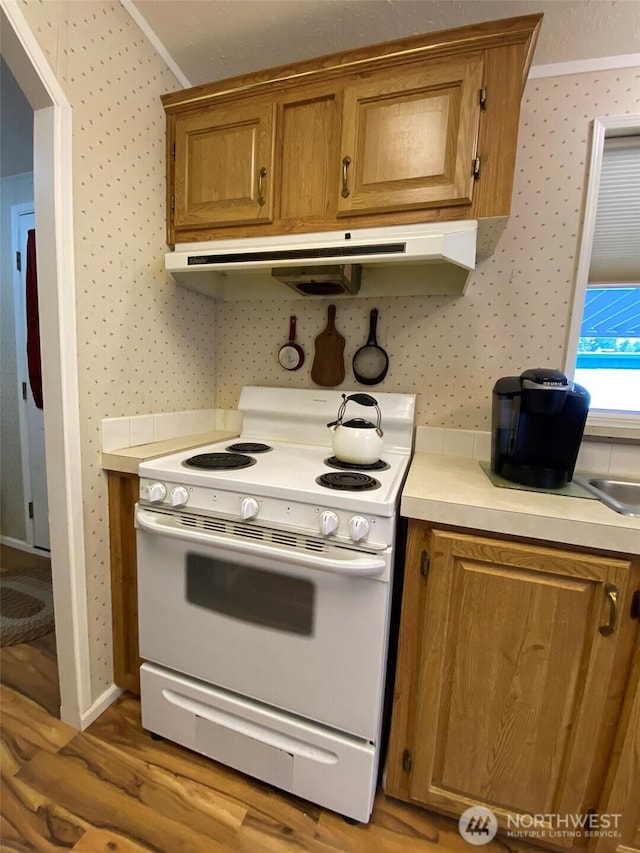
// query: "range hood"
[[435, 258]]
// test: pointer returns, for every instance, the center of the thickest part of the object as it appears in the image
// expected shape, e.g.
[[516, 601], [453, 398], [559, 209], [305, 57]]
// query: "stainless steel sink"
[[619, 493]]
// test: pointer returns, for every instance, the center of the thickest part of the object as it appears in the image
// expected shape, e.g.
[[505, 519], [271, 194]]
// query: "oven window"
[[259, 597]]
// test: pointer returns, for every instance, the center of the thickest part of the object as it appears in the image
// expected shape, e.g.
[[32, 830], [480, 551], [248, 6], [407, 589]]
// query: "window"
[[608, 360], [604, 346]]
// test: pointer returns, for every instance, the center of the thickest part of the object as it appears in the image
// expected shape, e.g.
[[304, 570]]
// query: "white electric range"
[[264, 590]]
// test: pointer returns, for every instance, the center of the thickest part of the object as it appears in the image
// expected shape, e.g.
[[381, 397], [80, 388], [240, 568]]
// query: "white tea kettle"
[[357, 441]]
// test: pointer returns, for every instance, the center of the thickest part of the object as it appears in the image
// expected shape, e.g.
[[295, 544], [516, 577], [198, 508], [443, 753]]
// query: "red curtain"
[[33, 325]]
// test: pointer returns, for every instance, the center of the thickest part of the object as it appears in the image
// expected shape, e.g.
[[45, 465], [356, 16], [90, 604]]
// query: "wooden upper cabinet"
[[409, 138], [375, 136], [224, 165], [307, 140], [506, 689]]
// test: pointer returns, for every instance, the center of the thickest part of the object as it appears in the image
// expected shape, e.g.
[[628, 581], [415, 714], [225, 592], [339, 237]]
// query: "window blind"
[[615, 255]]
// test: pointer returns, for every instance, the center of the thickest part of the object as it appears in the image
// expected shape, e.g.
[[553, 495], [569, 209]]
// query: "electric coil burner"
[[240, 570], [378, 465], [249, 447], [351, 481], [219, 461]]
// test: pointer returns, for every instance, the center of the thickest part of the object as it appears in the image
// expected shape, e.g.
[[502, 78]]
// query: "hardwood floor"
[[112, 789], [12, 559]]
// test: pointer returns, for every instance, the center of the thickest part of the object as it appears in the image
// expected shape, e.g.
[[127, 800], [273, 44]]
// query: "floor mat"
[[26, 605]]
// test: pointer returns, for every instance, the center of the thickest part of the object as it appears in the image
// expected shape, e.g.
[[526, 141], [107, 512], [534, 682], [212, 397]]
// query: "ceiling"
[[214, 39]]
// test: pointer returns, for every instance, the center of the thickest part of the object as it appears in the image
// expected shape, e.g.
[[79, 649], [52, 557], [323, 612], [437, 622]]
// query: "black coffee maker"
[[537, 421]]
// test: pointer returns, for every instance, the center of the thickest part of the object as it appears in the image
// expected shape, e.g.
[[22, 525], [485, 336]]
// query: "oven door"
[[288, 620]]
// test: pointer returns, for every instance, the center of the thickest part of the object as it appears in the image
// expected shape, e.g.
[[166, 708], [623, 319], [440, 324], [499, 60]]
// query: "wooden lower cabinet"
[[123, 494], [512, 666], [622, 794]]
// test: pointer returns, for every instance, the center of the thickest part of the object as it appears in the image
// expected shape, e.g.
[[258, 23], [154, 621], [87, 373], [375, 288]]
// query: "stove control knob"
[[328, 522], [179, 496], [358, 528], [249, 509], [157, 493]]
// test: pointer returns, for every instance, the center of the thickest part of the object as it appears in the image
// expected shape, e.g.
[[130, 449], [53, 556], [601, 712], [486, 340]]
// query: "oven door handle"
[[362, 565]]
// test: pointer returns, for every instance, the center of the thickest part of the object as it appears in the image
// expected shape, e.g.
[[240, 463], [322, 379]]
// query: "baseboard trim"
[[98, 707], [19, 545]]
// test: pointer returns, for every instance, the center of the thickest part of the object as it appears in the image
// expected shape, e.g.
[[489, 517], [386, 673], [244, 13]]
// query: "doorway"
[[31, 418], [53, 199]]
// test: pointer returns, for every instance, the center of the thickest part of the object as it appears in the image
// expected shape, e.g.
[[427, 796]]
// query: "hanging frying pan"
[[291, 354], [370, 363]]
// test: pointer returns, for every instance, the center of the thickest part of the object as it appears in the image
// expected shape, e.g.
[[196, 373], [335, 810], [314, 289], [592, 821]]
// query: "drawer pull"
[[611, 591], [346, 162], [262, 174]]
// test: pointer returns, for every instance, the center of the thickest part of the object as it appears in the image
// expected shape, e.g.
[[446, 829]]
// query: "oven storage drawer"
[[318, 764]]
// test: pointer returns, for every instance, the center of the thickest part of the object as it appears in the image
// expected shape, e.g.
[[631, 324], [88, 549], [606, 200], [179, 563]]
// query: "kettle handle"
[[367, 400], [362, 399]]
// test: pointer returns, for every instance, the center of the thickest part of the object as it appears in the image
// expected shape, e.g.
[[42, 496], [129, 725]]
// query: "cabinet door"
[[223, 168], [409, 137], [623, 800], [513, 678]]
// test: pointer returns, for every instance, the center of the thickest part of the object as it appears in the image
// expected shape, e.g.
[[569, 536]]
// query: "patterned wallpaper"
[[145, 346], [515, 313]]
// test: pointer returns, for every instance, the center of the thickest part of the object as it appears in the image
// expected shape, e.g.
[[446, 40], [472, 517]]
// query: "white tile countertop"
[[126, 442], [454, 490], [126, 460]]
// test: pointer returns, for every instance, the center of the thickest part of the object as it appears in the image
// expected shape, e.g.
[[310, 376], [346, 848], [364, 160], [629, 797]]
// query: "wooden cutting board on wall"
[[328, 360]]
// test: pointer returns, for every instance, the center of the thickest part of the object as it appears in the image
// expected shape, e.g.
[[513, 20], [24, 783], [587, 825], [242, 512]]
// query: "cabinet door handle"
[[346, 162], [611, 591], [261, 176]]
